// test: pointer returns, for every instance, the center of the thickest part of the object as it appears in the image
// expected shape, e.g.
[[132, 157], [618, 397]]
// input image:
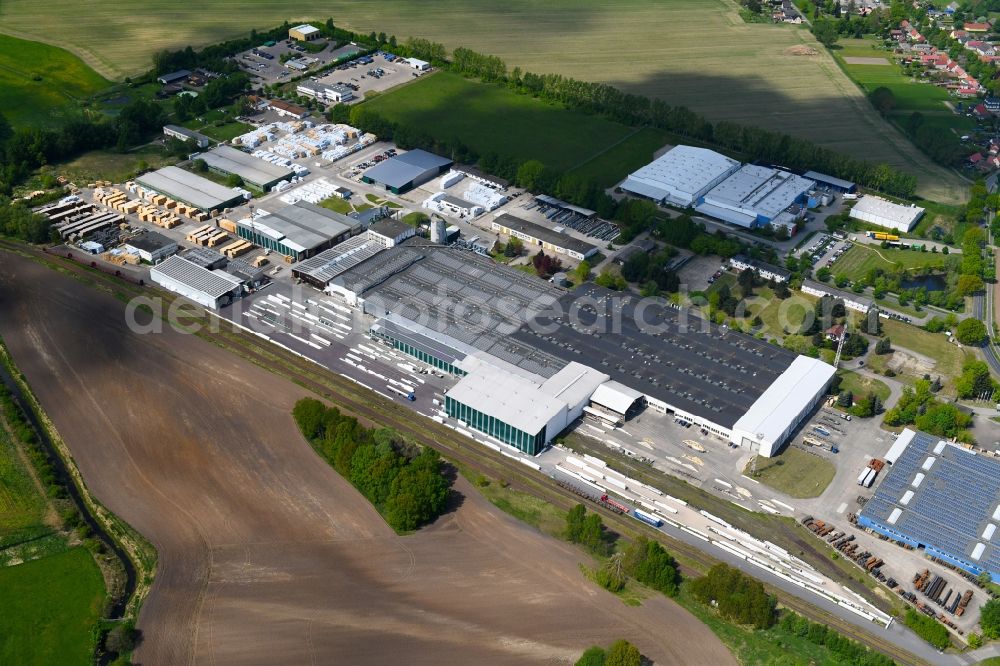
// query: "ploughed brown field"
[[266, 555]]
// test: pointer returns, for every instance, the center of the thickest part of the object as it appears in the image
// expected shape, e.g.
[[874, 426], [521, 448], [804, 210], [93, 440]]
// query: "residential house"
[[976, 27], [980, 47]]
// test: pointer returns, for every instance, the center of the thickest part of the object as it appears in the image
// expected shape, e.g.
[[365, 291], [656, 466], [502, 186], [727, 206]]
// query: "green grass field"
[[489, 118], [857, 261], [948, 357], [859, 385], [227, 131], [39, 83], [696, 53], [50, 607], [910, 95], [22, 506], [109, 165], [778, 315], [637, 149], [795, 472]]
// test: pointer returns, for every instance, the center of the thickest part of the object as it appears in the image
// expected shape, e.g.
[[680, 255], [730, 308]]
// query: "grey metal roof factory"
[[255, 172], [404, 172], [547, 239], [941, 498], [190, 189], [298, 230]]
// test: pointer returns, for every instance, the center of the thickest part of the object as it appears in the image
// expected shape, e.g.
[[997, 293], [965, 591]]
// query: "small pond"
[[928, 282]]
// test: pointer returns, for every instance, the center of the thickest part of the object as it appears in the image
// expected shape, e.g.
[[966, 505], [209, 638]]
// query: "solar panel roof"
[[954, 495]]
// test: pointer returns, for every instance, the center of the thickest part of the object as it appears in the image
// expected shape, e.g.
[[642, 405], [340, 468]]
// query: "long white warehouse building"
[[876, 210]]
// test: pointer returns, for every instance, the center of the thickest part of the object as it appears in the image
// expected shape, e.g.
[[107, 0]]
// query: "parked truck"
[[647, 518], [406, 394]]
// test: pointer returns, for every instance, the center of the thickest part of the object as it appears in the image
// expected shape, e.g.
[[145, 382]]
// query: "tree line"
[[405, 483], [850, 652], [755, 143], [26, 148], [638, 110], [620, 653]]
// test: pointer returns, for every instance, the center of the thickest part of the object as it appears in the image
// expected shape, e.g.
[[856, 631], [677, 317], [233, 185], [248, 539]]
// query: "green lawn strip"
[[337, 205], [110, 165], [527, 508], [39, 83], [778, 315], [227, 131], [795, 472], [51, 606], [22, 506], [859, 259], [610, 166], [860, 385]]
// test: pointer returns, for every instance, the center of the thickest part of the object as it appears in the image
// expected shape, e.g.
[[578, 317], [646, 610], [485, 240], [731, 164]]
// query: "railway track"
[[378, 411]]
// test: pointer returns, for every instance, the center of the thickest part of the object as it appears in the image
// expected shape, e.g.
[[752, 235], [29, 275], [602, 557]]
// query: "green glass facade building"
[[417, 353], [529, 443]]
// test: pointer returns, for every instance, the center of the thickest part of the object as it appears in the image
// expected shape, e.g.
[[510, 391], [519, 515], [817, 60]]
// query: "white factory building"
[[875, 210], [680, 176], [527, 411], [335, 93], [779, 411], [756, 196]]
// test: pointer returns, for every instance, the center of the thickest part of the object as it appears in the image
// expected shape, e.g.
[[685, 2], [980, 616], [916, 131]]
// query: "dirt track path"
[[265, 554]]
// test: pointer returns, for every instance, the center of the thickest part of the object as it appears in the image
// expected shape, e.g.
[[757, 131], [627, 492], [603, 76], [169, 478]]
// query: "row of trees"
[[405, 483], [849, 652], [975, 381], [17, 221], [587, 530], [642, 559], [635, 110], [25, 149]]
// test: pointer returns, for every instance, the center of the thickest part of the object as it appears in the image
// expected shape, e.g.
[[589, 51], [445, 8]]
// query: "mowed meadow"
[[693, 52], [39, 82]]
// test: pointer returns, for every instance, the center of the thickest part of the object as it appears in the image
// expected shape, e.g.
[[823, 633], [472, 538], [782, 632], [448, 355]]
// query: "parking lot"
[[700, 272], [382, 73], [264, 62]]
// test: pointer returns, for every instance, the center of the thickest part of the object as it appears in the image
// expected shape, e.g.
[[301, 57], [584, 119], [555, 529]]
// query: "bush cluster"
[[738, 597], [404, 483]]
